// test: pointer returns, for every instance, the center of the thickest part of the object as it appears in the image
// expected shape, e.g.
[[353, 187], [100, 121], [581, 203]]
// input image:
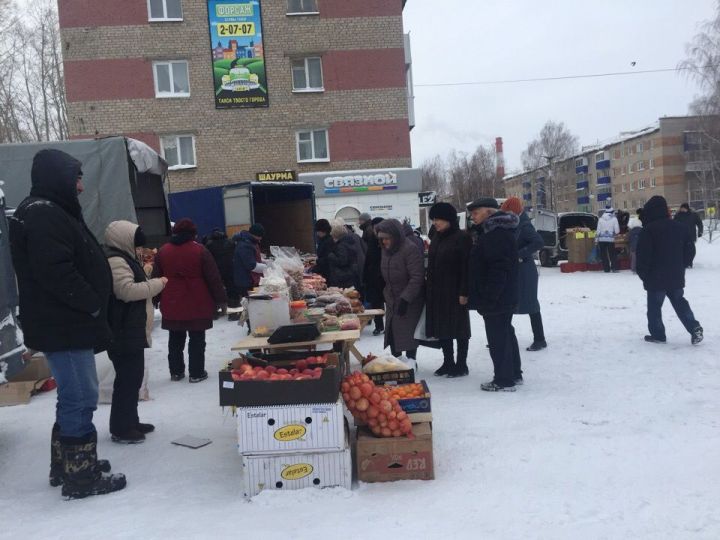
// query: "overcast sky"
[[463, 40]]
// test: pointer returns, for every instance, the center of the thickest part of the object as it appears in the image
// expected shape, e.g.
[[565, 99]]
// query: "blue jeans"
[[655, 301], [77, 390]]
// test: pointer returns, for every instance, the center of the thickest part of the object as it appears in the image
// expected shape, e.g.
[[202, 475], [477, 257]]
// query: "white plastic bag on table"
[[287, 258], [106, 379], [274, 281]]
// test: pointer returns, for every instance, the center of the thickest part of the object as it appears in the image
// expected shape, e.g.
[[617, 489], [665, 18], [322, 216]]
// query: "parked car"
[[552, 228]]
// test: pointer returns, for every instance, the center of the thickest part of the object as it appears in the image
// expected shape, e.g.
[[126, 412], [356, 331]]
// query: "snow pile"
[[610, 437]]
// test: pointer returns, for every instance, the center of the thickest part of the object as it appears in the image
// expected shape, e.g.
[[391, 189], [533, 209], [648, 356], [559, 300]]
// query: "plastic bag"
[[349, 322], [594, 256], [287, 258], [106, 379], [420, 329], [274, 281], [385, 363]]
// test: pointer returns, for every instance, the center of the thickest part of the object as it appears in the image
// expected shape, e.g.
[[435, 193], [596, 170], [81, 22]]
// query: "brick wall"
[[232, 145]]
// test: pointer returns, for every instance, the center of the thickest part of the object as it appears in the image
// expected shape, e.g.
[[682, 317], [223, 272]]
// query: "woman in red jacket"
[[189, 301]]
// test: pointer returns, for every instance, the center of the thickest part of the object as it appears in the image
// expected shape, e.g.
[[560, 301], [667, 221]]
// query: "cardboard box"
[[258, 393], [395, 458], [579, 244], [419, 410], [296, 471], [393, 377], [291, 428], [25, 384]]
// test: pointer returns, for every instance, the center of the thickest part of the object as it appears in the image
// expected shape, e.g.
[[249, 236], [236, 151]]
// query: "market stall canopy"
[[123, 179]]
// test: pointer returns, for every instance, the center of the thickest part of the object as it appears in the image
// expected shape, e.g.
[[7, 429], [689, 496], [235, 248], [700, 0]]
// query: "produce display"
[[407, 391], [349, 322], [373, 405], [309, 368]]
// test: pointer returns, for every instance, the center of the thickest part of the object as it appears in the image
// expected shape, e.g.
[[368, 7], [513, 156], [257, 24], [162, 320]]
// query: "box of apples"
[[250, 381]]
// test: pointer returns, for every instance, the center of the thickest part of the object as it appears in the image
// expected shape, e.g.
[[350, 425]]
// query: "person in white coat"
[[608, 227]]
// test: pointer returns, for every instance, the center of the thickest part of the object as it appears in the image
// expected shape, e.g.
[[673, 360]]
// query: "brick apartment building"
[[336, 74], [625, 172]]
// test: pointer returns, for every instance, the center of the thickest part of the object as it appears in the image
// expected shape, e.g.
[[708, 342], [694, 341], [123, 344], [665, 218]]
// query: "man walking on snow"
[[607, 229], [663, 252], [694, 225]]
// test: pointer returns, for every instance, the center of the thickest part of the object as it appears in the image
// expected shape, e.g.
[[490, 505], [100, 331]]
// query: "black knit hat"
[[376, 220], [322, 225], [140, 238], [443, 210], [483, 202]]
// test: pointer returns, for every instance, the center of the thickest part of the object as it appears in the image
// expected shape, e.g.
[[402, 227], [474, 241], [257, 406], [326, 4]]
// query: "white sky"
[[465, 40]]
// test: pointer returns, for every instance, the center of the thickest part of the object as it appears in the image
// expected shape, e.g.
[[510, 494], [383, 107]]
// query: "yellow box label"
[[579, 235], [297, 471], [290, 432]]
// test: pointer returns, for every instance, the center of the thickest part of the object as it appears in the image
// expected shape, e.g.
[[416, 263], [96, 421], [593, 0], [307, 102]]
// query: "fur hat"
[[443, 210], [514, 205], [256, 229], [185, 225]]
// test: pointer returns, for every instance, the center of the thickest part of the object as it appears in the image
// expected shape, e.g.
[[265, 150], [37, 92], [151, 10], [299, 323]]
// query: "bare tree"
[[554, 143], [434, 176], [473, 176], [702, 64]]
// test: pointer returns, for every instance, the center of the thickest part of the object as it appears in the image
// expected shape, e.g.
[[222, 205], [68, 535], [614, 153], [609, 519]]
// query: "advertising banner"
[[237, 53]]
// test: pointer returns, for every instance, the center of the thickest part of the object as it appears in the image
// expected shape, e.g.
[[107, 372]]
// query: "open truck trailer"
[[553, 228], [123, 179], [285, 209]]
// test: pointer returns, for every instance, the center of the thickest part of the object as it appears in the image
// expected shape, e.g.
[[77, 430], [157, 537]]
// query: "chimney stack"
[[500, 158]]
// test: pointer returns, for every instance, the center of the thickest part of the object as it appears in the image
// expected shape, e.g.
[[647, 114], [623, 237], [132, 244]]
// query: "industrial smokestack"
[[500, 158]]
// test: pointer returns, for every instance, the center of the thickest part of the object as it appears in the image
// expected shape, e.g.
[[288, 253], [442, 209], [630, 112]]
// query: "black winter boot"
[[461, 368], [448, 359], [56, 462], [82, 476]]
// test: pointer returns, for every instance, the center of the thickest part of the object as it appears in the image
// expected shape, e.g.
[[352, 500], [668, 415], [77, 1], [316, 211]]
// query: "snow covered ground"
[[610, 437]]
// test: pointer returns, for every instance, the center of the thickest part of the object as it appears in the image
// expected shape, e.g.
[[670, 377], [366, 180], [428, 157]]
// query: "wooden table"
[[365, 318], [346, 337]]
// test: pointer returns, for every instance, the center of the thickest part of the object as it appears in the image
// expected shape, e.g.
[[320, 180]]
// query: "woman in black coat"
[[446, 316], [373, 283], [342, 259], [529, 242]]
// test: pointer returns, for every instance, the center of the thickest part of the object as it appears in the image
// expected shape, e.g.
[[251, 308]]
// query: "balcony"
[[604, 196], [604, 164], [583, 200], [698, 166], [582, 185], [603, 180], [527, 196], [583, 169], [527, 184]]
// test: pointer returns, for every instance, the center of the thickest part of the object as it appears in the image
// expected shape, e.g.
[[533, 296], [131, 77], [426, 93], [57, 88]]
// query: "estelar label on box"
[[291, 428]]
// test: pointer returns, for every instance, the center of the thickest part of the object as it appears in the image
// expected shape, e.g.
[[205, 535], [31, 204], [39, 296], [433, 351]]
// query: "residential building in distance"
[[664, 159]]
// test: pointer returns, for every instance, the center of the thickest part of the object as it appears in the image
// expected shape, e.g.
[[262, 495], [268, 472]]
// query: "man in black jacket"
[[694, 225], [663, 251], [64, 283], [493, 287]]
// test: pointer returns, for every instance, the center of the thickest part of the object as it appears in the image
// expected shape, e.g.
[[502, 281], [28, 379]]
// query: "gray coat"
[[529, 242], [403, 270]]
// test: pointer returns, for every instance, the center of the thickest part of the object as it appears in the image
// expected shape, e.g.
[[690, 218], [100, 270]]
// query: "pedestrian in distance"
[[64, 285], [694, 225], [364, 221], [131, 316], [360, 249], [247, 259], [607, 229], [193, 294], [323, 248], [342, 259], [529, 242], [373, 283], [414, 238], [446, 314], [403, 271], [494, 288], [223, 251], [635, 226], [663, 252]]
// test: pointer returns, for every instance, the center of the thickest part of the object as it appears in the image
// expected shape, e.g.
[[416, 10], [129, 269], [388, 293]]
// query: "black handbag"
[[295, 333]]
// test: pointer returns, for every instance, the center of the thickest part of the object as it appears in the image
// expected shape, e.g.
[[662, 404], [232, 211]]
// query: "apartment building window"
[[640, 165], [307, 74], [171, 79], [302, 7], [632, 186], [616, 154], [653, 182], [178, 151], [642, 184], [652, 144], [312, 145], [639, 148], [165, 10], [624, 188], [625, 205], [651, 163]]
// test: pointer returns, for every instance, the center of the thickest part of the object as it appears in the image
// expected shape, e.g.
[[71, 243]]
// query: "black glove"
[[402, 307]]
